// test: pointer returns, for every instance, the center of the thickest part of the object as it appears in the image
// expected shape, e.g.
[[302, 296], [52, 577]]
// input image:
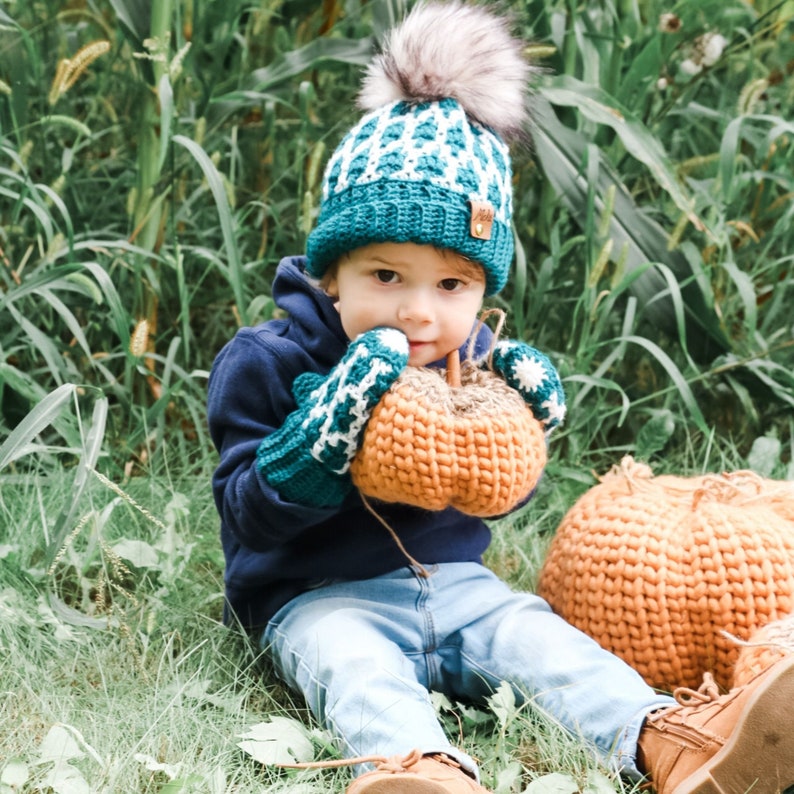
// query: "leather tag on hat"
[[482, 215]]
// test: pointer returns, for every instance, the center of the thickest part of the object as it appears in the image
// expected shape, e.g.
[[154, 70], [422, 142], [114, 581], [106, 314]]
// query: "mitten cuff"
[[284, 459], [533, 375]]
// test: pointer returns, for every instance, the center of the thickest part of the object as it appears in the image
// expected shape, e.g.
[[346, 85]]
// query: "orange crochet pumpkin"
[[458, 438], [668, 572]]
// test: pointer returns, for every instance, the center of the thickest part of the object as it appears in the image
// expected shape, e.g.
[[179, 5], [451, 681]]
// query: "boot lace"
[[685, 697], [394, 763]]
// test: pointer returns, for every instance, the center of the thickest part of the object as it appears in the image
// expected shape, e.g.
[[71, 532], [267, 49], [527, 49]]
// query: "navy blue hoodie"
[[275, 549]]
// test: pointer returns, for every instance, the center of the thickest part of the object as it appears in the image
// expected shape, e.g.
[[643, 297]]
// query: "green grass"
[[144, 671], [116, 652], [143, 210]]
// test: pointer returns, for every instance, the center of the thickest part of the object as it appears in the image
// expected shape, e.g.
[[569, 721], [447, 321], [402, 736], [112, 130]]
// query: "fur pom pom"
[[451, 50]]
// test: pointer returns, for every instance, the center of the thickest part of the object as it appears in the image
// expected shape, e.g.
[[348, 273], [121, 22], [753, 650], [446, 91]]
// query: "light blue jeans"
[[365, 655]]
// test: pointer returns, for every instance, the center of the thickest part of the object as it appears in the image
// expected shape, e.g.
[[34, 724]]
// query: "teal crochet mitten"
[[534, 377], [307, 459]]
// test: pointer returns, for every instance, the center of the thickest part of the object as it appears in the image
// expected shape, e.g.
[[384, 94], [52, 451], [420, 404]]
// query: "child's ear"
[[329, 282], [330, 287]]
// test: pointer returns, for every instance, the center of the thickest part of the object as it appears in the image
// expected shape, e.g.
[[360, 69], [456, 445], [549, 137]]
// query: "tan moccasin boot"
[[416, 774], [737, 743]]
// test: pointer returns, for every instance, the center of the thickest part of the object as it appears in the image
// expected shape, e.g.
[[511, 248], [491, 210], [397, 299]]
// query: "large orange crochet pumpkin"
[[471, 443], [669, 572]]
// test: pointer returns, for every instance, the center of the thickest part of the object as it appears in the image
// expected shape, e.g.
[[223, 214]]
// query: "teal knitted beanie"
[[430, 163]]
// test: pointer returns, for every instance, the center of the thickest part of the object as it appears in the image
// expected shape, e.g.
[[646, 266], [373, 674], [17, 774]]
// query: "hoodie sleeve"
[[249, 396]]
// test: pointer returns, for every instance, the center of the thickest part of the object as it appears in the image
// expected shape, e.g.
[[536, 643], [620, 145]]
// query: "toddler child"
[[413, 232]]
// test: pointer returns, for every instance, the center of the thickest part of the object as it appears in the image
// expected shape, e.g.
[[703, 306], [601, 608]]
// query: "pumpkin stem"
[[453, 370]]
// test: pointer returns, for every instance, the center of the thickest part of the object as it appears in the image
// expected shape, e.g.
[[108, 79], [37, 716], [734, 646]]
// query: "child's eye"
[[386, 276], [450, 284]]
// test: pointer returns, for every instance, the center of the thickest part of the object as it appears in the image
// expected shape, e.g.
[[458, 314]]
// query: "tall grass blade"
[[117, 314], [42, 216], [42, 342], [58, 202], [676, 376], [46, 411], [234, 271], [730, 151], [91, 450]]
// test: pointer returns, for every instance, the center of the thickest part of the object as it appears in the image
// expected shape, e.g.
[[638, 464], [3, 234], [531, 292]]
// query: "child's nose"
[[417, 307]]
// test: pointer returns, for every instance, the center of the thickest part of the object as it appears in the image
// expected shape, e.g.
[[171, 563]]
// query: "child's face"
[[432, 296]]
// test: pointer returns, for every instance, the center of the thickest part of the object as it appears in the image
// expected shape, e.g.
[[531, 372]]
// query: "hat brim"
[[406, 212]]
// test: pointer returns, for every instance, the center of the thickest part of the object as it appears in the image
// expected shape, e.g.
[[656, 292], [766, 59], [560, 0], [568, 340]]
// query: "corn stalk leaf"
[[312, 55], [257, 85], [6, 20], [561, 152], [135, 16], [598, 106]]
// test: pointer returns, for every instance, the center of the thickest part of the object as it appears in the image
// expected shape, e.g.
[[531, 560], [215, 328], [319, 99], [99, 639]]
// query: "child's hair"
[[467, 267], [429, 163]]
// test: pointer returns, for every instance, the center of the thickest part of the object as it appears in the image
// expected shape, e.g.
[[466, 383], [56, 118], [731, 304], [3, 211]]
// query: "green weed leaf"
[[554, 783], [508, 779], [598, 783], [171, 771], [60, 746], [65, 779], [503, 704], [138, 552], [14, 775], [279, 741], [764, 455], [655, 433]]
